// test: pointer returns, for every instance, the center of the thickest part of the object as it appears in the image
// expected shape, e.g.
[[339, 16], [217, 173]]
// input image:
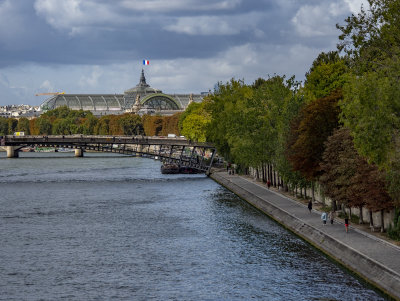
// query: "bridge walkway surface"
[[372, 258]]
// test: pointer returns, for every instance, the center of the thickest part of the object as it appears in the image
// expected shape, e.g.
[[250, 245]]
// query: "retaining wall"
[[367, 268]]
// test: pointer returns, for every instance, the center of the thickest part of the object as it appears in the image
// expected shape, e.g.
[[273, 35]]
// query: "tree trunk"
[[312, 192], [274, 178], [263, 173], [361, 215], [334, 206], [371, 221], [269, 173], [305, 192], [382, 221], [257, 175]]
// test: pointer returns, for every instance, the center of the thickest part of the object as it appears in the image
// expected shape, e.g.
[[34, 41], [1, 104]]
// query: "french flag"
[[146, 62]]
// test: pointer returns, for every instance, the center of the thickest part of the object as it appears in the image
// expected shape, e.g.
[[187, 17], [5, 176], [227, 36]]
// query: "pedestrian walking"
[[310, 206], [324, 217], [346, 223], [332, 216], [268, 184]]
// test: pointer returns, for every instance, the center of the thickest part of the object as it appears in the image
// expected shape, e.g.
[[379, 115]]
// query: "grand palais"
[[141, 99]]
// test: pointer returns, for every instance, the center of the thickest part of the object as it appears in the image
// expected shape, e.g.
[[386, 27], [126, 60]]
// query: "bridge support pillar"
[[139, 150], [78, 152], [12, 152]]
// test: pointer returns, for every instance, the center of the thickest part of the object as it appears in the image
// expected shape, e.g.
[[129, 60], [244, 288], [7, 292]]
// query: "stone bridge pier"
[[12, 151], [78, 152]]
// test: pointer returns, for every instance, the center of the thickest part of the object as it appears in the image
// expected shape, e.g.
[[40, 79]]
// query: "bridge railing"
[[171, 149]]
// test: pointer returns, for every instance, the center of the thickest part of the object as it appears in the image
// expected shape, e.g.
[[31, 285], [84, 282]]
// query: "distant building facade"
[[141, 99]]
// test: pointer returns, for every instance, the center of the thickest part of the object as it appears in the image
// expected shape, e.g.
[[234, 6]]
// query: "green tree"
[[326, 75], [44, 126], [372, 36], [103, 126], [131, 124], [224, 110], [12, 125], [3, 126], [23, 125], [194, 122]]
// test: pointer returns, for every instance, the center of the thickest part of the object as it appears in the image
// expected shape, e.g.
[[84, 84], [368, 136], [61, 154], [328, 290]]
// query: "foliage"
[[348, 178], [12, 125], [194, 121], [326, 75], [3, 126], [23, 125], [372, 36], [225, 108], [160, 125], [338, 166], [43, 125], [368, 186], [131, 124], [315, 123]]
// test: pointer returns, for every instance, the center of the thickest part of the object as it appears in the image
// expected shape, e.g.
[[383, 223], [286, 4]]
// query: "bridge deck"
[[183, 152]]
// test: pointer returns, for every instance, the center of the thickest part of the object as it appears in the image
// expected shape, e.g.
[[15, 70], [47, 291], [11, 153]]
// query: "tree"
[[372, 96], [12, 125], [23, 125], [43, 125], [368, 187], [225, 110], [131, 124], [194, 127], [309, 131], [326, 75], [372, 36], [194, 122], [3, 126], [339, 165], [103, 126]]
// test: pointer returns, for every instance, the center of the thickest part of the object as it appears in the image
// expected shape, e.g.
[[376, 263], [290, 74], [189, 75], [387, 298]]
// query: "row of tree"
[[340, 128], [64, 121]]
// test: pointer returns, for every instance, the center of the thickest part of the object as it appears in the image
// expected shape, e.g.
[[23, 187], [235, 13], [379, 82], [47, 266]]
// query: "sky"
[[97, 46]]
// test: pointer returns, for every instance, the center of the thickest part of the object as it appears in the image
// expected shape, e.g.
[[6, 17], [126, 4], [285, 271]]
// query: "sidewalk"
[[374, 259]]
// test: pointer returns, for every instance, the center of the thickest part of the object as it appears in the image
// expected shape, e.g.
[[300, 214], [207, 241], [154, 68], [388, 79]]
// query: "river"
[[110, 227]]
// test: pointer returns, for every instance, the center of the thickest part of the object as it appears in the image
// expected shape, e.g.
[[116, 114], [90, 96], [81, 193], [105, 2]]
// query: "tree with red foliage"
[[315, 123], [339, 166]]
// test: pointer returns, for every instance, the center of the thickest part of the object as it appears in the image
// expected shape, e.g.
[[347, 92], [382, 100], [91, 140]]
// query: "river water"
[[109, 227]]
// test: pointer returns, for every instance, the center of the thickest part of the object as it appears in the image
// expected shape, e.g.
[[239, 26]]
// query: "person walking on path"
[[310, 206], [324, 217], [268, 184], [346, 223], [332, 215]]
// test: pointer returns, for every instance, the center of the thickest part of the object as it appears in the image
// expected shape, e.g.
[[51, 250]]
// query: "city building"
[[141, 99]]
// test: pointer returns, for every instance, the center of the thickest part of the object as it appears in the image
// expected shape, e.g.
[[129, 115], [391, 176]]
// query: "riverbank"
[[373, 259]]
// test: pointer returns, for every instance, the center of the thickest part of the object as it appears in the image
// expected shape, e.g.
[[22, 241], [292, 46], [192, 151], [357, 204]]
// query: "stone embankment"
[[375, 260]]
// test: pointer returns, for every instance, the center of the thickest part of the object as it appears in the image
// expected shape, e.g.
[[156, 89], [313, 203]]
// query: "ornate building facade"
[[141, 99]]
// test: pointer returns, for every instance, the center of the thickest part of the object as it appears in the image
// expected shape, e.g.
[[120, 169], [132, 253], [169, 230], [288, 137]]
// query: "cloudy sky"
[[97, 46]]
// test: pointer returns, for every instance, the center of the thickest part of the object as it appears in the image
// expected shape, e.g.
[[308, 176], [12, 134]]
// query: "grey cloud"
[[106, 33]]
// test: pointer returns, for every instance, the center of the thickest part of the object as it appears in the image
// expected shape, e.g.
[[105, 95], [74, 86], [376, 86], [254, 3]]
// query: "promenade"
[[374, 259]]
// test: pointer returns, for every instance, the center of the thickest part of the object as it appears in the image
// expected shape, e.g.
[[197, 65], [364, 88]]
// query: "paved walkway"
[[370, 246]]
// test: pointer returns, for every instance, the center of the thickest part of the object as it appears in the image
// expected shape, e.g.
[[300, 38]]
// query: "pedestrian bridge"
[[185, 153]]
